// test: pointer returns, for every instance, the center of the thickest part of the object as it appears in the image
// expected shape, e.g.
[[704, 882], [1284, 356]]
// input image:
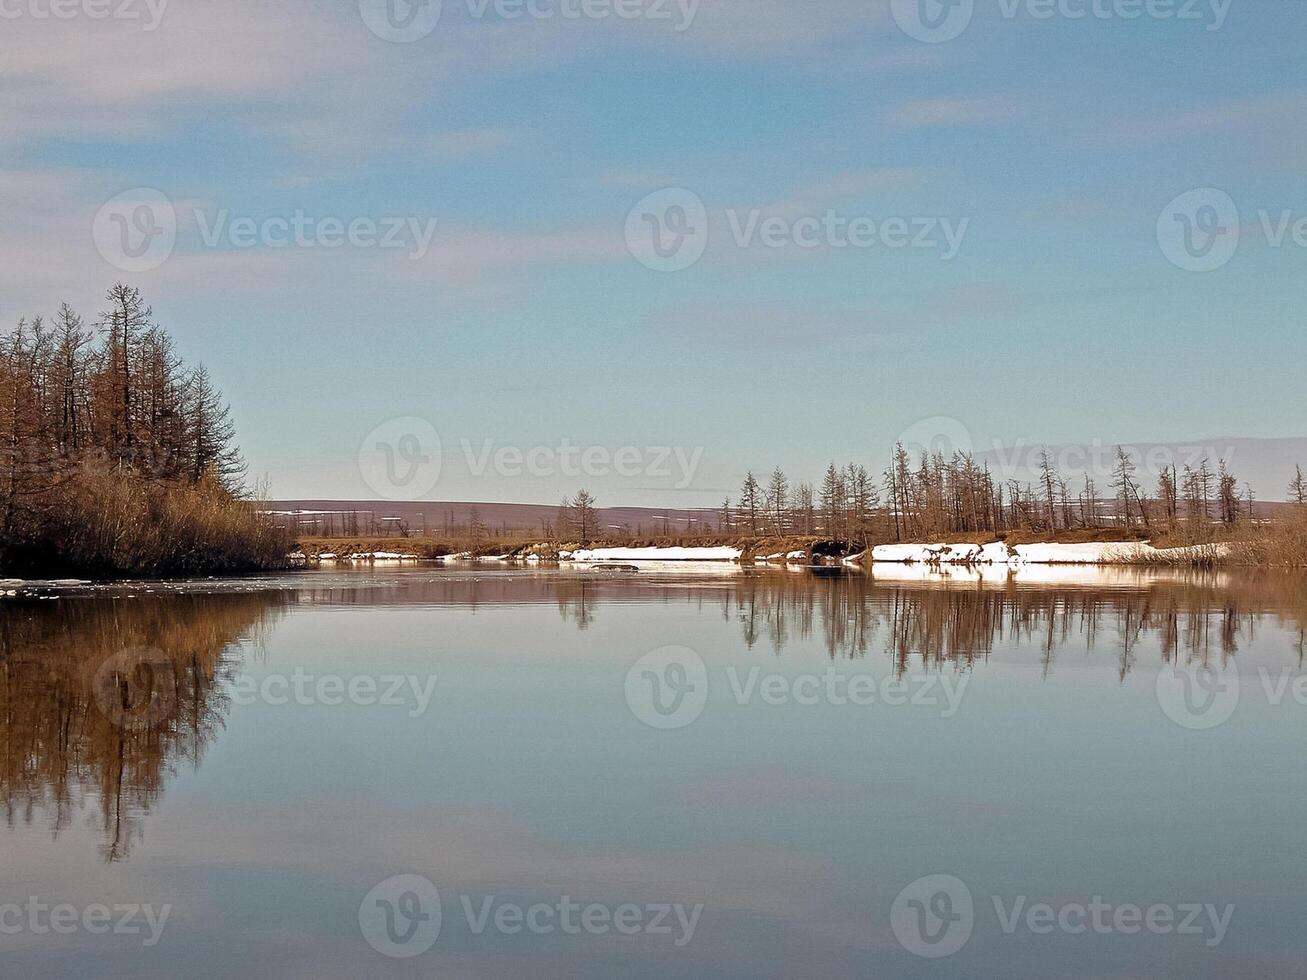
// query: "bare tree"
[[209, 432], [1168, 495], [803, 506], [1127, 489], [832, 502], [126, 319], [1089, 503], [1050, 480], [1227, 494], [1298, 487], [583, 518], [778, 495], [751, 502]]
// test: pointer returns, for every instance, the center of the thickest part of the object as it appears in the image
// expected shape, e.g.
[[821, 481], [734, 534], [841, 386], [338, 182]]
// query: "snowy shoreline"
[[996, 553], [592, 555], [1047, 553]]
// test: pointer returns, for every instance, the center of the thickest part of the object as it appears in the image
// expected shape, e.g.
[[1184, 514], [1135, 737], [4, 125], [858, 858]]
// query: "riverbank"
[[1283, 544], [1044, 553], [775, 551], [783, 549]]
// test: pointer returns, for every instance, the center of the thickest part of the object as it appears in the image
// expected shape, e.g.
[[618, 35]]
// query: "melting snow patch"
[[654, 554], [998, 553]]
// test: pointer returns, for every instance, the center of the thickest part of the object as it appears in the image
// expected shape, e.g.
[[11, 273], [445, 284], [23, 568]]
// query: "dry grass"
[[416, 545], [104, 523], [1281, 543]]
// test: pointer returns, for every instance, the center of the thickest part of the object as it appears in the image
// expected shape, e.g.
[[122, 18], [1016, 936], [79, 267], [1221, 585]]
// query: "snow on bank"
[[1048, 553], [656, 554], [943, 554]]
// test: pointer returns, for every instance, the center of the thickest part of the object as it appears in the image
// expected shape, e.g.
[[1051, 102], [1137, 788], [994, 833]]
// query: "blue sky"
[[1056, 142]]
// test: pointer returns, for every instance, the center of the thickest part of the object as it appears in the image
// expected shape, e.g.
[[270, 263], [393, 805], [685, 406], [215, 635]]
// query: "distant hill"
[[435, 517], [1264, 464]]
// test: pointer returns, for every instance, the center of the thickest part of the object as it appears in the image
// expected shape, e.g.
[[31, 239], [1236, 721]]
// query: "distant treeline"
[[919, 499], [115, 458], [930, 496]]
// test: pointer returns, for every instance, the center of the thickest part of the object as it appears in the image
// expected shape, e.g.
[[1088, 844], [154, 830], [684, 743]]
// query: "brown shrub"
[[105, 522]]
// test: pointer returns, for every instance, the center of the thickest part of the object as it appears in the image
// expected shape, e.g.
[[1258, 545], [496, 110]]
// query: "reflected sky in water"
[[1064, 734]]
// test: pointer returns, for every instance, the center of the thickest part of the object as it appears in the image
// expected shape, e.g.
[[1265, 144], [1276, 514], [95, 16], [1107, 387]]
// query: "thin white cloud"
[[850, 184], [785, 326], [315, 77], [953, 112], [1286, 110], [640, 179], [470, 142], [783, 28]]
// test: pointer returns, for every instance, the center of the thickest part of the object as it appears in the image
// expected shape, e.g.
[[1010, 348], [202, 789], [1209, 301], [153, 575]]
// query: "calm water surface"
[[560, 773]]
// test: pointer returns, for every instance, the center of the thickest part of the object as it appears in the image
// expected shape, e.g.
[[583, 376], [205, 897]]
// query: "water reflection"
[[933, 620], [103, 698]]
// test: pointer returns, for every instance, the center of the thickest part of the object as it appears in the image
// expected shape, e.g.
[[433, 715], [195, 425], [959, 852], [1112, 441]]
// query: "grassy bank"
[[115, 458], [105, 523], [1278, 544]]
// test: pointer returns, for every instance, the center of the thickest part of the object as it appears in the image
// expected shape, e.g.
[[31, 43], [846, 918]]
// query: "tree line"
[[933, 495], [105, 436]]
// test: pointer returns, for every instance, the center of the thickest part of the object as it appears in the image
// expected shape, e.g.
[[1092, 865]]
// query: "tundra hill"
[[377, 517]]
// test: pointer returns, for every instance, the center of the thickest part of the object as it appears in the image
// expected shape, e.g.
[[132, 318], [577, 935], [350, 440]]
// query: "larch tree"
[[751, 502], [1050, 481], [1227, 494], [832, 502], [583, 516], [1127, 489], [804, 507], [209, 432], [126, 319], [1298, 488], [1168, 495], [778, 495]]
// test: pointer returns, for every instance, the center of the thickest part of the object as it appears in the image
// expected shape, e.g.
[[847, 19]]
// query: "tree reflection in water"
[[931, 624], [102, 698]]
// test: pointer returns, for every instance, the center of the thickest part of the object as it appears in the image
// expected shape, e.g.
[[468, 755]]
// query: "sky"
[[502, 249]]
